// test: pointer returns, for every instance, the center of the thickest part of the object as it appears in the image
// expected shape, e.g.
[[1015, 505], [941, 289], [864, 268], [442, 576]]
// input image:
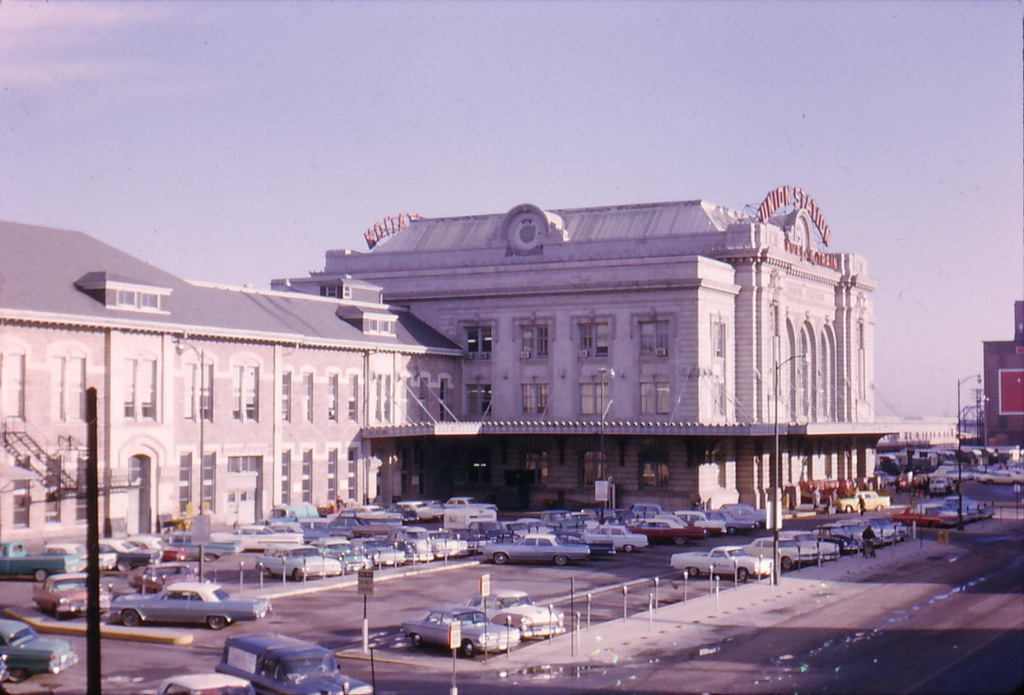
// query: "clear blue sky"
[[236, 142]]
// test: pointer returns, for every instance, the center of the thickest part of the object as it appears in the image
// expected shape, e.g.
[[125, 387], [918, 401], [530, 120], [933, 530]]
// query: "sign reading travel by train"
[[797, 197]]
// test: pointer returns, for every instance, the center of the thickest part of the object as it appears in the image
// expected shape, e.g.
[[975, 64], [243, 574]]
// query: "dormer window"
[[123, 293]]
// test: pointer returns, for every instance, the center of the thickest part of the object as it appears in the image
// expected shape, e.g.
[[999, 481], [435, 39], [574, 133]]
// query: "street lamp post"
[[959, 460], [604, 413], [201, 414], [776, 474]]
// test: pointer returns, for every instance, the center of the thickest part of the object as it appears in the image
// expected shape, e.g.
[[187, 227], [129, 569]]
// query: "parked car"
[[344, 551], [66, 595], [298, 562], [210, 551], [478, 633], [848, 541], [281, 665], [129, 555], [107, 559], [811, 546], [168, 553], [599, 547], [158, 577], [254, 537], [539, 547], [445, 544], [516, 608], [723, 560], [191, 603], [925, 514], [732, 523], [789, 552], [17, 561], [205, 684], [695, 517], [381, 552], [646, 510], [744, 511], [27, 654], [667, 529], [619, 536]]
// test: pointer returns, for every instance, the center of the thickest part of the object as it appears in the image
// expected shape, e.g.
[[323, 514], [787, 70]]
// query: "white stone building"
[[636, 344], [229, 400]]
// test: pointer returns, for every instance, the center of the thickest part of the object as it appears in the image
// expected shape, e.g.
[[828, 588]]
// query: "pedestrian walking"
[[860, 505], [816, 498]]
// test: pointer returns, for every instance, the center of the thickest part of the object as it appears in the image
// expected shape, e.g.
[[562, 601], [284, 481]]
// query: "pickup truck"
[[872, 501], [15, 561]]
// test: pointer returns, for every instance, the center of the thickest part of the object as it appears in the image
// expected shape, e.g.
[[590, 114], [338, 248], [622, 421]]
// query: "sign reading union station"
[[797, 197]]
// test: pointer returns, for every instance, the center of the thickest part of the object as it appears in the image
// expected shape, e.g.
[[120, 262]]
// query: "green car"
[[27, 653]]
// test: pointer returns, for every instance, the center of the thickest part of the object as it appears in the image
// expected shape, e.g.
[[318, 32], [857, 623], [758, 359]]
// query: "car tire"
[[679, 540], [123, 566], [500, 558], [17, 675], [742, 574], [39, 574], [131, 618], [416, 639], [691, 572], [468, 649], [297, 575], [216, 622], [210, 557], [628, 548], [730, 530], [787, 564]]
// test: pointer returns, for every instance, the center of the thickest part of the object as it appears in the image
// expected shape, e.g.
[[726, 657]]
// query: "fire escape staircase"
[[29, 454]]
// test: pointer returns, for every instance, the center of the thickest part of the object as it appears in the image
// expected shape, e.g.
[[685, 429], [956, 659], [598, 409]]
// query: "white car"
[[790, 552], [619, 536], [202, 683], [723, 560], [533, 621], [699, 518], [298, 562], [107, 559], [444, 544], [256, 537], [811, 546]]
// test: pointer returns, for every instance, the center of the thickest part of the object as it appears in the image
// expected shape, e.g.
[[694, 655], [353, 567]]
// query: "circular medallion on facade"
[[524, 229]]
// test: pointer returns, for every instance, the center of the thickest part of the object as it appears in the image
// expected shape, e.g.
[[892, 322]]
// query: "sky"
[[236, 142]]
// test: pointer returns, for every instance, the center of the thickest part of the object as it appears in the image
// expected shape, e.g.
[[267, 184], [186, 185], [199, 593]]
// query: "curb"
[[154, 635]]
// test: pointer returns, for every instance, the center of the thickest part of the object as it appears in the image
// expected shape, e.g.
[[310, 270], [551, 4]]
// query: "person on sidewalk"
[[861, 505], [869, 541]]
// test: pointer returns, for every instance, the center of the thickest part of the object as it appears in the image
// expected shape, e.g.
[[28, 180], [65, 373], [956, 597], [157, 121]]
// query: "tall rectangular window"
[[535, 398], [534, 340], [590, 468], [21, 502], [307, 475], [12, 383], [184, 483], [332, 475], [718, 338], [353, 398], [655, 397], [286, 397], [140, 389], [307, 396], [537, 463], [594, 397], [653, 338], [478, 341], [81, 500], [387, 398], [199, 392], [52, 507], [332, 398], [593, 339], [247, 393], [69, 388], [207, 480], [478, 400], [353, 456], [286, 477]]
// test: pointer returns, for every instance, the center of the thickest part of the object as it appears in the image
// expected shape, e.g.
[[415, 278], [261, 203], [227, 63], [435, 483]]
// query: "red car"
[[666, 529]]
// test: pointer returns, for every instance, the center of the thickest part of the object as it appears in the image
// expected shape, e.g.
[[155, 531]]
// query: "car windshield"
[[312, 664], [510, 601], [23, 635], [220, 594], [68, 585]]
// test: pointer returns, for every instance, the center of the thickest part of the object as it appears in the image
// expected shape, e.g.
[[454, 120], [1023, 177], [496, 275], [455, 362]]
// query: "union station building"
[[532, 357]]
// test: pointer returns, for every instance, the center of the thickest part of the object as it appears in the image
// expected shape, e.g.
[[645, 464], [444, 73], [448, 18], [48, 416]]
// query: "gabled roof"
[[53, 274]]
